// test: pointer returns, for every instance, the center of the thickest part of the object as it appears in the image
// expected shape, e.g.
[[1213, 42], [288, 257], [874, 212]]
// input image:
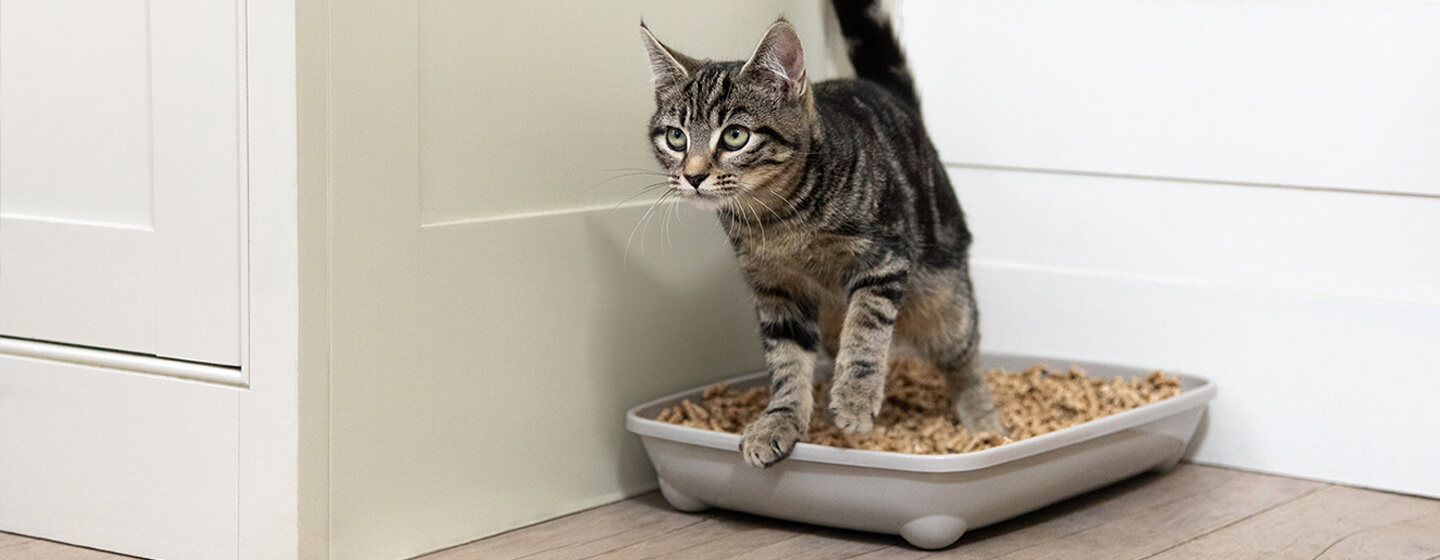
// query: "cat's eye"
[[735, 137], [676, 139]]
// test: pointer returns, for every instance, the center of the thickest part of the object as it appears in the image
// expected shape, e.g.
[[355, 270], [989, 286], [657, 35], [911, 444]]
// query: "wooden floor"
[[1194, 512], [16, 547]]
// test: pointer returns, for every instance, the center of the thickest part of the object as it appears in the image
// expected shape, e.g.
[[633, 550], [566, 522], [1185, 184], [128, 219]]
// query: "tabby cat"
[[841, 215]]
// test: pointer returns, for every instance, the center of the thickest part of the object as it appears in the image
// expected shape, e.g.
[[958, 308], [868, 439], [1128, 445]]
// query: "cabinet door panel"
[[85, 284], [138, 464], [122, 174]]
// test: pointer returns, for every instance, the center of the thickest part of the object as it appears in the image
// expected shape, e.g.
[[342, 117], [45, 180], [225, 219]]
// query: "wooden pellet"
[[918, 416]]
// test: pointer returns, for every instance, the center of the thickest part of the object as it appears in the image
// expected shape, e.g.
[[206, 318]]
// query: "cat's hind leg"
[[941, 322], [789, 331], [966, 382]]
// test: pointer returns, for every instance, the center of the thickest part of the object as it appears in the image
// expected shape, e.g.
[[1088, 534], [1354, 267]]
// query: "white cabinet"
[[124, 184]]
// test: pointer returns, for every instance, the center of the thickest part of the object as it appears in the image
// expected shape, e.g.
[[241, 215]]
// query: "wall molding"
[[1188, 282], [1140, 177], [110, 359], [632, 202]]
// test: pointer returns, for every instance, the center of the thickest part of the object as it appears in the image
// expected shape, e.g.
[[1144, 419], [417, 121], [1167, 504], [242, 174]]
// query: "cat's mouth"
[[709, 198]]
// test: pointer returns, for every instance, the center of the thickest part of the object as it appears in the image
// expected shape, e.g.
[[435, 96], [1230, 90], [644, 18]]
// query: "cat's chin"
[[706, 202]]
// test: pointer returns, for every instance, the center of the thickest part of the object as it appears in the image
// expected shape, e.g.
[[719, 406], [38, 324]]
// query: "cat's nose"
[[696, 179]]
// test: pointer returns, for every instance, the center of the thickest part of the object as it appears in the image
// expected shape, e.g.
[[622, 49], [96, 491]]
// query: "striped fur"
[[841, 215]]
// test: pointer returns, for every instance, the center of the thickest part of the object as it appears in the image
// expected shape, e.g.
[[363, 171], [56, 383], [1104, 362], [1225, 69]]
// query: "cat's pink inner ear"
[[781, 54]]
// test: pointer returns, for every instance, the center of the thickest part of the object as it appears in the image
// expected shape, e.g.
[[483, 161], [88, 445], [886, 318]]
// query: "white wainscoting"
[[1328, 388], [1348, 244], [1244, 190]]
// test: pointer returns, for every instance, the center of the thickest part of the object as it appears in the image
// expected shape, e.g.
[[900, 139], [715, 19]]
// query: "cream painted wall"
[[551, 99], [487, 326]]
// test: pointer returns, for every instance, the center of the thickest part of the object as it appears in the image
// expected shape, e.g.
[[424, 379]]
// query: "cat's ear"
[[670, 67], [780, 60]]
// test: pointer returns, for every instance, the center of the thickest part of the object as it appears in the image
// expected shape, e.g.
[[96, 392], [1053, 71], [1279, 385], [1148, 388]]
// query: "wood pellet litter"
[[917, 416]]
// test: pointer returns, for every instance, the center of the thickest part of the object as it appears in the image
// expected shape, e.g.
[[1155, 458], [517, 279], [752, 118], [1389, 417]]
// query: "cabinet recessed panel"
[[75, 136], [121, 175]]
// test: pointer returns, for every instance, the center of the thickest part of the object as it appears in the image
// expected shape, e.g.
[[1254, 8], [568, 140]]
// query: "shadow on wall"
[[671, 315]]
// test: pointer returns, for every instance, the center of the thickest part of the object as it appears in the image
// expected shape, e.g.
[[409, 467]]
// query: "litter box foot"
[[936, 531], [680, 500]]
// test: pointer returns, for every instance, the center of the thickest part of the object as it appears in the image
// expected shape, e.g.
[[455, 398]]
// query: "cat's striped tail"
[[874, 51]]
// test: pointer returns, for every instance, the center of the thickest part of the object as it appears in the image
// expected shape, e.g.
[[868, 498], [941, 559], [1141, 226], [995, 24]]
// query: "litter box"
[[930, 500]]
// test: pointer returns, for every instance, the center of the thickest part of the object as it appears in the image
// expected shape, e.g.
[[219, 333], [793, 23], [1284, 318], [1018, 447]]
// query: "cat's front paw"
[[855, 401], [771, 437]]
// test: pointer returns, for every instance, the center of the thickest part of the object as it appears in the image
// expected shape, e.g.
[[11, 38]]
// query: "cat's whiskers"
[[641, 169], [752, 187], [658, 203], [733, 211], [665, 229], [642, 191], [640, 221], [731, 205], [634, 173], [767, 207], [758, 221]]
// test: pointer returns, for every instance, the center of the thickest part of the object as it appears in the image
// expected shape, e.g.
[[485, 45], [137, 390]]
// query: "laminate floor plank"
[[1134, 496], [761, 534], [827, 544], [709, 533], [574, 529], [1332, 523], [8, 540], [1416, 539], [1146, 532], [640, 534], [17, 547]]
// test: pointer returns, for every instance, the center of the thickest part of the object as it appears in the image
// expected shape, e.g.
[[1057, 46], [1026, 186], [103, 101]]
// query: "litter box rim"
[[1197, 392]]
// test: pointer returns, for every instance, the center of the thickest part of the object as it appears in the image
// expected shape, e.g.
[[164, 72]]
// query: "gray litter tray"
[[930, 500]]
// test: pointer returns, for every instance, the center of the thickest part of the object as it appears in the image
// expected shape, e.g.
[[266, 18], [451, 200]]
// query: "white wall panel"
[[1311, 386], [1319, 94], [1352, 244]]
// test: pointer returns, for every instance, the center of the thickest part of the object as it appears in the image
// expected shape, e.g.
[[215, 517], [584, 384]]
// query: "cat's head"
[[728, 130]]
